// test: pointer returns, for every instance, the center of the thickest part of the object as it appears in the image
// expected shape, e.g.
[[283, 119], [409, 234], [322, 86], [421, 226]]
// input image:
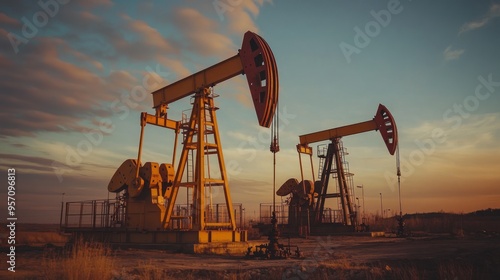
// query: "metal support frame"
[[325, 178], [345, 196], [332, 157], [195, 140]]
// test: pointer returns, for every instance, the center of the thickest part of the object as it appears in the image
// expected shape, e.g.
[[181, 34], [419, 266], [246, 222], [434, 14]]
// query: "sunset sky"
[[73, 74]]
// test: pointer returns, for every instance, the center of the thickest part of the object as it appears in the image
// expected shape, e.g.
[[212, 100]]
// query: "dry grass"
[[83, 261], [341, 261], [455, 270], [96, 261], [151, 271], [455, 224], [407, 272], [422, 269], [40, 238], [443, 223]]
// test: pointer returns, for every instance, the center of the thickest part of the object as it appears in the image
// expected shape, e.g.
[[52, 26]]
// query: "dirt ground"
[[327, 257]]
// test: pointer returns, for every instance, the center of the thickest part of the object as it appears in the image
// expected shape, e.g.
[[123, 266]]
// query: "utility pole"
[[381, 208], [243, 214], [363, 198], [62, 209], [357, 210]]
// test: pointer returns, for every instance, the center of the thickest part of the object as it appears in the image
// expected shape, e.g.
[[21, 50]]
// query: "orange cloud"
[[148, 35], [201, 35]]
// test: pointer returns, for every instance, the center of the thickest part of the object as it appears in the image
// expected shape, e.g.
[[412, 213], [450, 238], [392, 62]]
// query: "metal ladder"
[[189, 164], [321, 152]]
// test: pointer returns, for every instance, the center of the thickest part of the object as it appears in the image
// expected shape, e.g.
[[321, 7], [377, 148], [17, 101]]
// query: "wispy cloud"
[[201, 35], [450, 54], [6, 20], [492, 13], [477, 132], [29, 162], [58, 94], [150, 38], [242, 17]]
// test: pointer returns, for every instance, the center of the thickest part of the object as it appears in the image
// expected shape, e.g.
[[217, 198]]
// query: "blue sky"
[[74, 71]]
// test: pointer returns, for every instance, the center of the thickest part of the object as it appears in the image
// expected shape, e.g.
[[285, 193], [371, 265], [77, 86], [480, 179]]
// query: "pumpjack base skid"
[[194, 242]]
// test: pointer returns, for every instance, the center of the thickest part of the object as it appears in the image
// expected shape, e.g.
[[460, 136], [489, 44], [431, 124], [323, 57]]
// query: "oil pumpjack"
[[307, 203], [148, 191]]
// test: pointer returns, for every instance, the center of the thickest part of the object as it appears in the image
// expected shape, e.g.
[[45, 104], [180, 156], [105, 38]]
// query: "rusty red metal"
[[387, 127], [261, 71]]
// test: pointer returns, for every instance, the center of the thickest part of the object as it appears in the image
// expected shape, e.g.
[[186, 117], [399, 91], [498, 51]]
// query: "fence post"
[[94, 212]]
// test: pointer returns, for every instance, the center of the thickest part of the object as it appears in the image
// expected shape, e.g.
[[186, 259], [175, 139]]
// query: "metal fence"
[[111, 213], [266, 212], [94, 214], [282, 211]]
